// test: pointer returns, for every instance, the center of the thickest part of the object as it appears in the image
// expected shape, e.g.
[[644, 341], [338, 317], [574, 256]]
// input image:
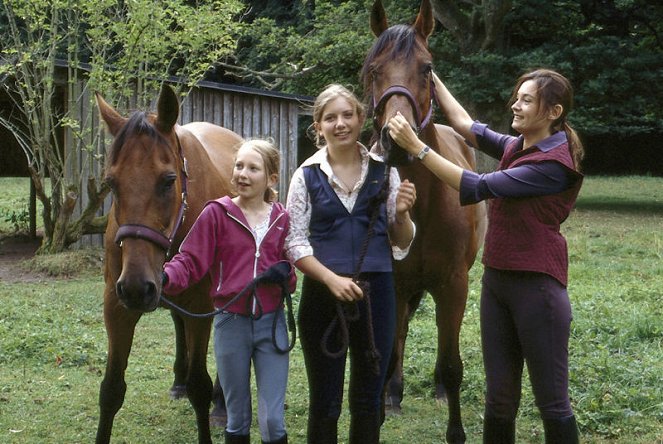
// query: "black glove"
[[279, 274]]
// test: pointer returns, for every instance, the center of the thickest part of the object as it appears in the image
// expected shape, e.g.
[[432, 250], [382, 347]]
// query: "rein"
[[138, 231], [350, 312], [286, 299]]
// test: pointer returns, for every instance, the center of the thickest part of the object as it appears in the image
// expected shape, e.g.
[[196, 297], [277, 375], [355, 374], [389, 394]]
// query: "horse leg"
[[219, 415], [405, 308], [120, 326], [449, 311], [178, 389], [198, 382]]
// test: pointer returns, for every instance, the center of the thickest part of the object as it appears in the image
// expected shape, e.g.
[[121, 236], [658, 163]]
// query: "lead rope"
[[350, 312]]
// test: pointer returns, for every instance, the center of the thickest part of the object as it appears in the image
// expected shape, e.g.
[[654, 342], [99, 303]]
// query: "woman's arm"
[[458, 118]]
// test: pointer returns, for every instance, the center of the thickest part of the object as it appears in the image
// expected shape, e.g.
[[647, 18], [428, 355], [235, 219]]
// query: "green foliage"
[[612, 53]]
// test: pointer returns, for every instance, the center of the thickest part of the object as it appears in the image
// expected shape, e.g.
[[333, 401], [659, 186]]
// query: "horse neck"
[[448, 143]]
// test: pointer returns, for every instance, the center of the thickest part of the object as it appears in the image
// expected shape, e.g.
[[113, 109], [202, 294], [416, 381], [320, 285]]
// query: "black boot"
[[282, 440], [561, 430], [498, 431], [365, 429], [322, 430], [236, 439]]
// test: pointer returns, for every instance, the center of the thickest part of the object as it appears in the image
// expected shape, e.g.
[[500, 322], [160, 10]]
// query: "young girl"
[[525, 308], [234, 240], [330, 200]]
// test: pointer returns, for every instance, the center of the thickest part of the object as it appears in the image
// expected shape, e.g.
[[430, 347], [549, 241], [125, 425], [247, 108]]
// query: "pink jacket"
[[221, 244]]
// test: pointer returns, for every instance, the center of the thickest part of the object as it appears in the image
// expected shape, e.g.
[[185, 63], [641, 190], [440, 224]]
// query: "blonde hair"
[[554, 89], [271, 158], [331, 92]]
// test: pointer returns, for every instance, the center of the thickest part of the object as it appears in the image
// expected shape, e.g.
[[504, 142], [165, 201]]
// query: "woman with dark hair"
[[525, 308]]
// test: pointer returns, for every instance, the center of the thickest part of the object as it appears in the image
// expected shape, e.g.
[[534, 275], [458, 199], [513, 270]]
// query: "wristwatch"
[[423, 153]]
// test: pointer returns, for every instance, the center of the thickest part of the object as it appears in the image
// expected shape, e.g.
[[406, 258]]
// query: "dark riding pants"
[[326, 374], [525, 317]]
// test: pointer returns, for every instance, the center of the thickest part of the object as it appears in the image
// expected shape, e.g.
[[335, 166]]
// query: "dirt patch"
[[13, 251]]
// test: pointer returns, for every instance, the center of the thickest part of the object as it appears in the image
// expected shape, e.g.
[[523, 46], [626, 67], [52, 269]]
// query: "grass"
[[53, 345]]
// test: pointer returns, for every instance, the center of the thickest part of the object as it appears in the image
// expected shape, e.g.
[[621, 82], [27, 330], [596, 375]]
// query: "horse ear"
[[425, 22], [378, 19], [114, 121], [168, 109]]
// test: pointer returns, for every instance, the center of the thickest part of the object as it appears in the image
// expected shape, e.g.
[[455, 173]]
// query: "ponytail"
[[575, 145]]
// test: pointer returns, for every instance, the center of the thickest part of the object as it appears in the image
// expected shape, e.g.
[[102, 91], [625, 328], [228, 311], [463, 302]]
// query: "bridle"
[[379, 104], [138, 231]]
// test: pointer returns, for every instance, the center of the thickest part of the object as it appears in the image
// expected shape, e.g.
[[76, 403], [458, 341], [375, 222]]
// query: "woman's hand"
[[403, 134], [405, 199], [344, 288]]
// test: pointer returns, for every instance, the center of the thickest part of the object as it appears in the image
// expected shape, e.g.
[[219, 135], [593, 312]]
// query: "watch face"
[[423, 152]]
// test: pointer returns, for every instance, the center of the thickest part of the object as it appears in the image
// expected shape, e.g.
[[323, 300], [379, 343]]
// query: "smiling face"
[[532, 117], [339, 124], [250, 176]]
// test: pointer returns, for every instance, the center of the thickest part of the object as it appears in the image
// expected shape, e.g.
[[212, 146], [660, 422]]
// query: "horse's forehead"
[[141, 157]]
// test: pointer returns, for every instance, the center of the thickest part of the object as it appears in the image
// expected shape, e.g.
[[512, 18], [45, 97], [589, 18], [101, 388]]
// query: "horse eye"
[[168, 183], [110, 183]]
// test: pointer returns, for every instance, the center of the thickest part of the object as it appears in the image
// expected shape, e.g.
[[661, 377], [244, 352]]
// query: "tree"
[[128, 48]]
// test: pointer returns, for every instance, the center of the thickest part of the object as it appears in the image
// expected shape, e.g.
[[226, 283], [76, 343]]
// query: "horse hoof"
[[218, 418], [177, 392], [392, 406], [440, 394]]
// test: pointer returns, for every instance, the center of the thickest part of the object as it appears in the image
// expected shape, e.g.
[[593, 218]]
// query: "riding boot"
[[236, 439], [282, 440], [365, 429], [322, 430], [498, 431], [561, 430]]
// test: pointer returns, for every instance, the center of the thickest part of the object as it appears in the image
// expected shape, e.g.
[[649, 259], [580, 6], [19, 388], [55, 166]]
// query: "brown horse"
[[158, 172], [397, 77]]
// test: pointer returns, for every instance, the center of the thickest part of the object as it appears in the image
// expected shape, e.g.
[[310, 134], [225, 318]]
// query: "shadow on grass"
[[643, 207]]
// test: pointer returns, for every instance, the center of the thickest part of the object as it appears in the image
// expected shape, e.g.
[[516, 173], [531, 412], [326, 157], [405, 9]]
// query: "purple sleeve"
[[490, 142], [195, 256], [538, 179]]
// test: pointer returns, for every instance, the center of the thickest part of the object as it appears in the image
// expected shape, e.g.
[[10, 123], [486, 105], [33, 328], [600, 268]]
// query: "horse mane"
[[138, 124], [396, 41]]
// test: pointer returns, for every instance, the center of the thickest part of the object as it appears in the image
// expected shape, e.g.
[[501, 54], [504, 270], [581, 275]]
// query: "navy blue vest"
[[337, 236]]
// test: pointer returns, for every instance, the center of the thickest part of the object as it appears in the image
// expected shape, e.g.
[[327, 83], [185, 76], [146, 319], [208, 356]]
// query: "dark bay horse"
[[397, 77], [159, 172]]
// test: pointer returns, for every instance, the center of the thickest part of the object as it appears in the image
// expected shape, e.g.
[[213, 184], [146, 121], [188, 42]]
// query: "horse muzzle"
[[138, 294], [394, 155]]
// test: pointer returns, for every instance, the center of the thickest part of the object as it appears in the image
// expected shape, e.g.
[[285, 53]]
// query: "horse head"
[[146, 172], [397, 75]]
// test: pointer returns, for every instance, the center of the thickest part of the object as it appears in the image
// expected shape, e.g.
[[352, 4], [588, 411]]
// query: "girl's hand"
[[403, 134], [406, 197], [344, 289]]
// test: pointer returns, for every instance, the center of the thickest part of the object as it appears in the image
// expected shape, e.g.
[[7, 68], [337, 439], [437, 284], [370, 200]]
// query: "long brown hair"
[[554, 89]]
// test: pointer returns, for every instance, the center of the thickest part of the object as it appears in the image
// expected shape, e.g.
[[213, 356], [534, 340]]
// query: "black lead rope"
[[286, 300], [349, 312]]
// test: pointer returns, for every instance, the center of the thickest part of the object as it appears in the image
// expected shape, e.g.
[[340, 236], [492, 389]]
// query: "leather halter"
[[138, 231], [402, 90]]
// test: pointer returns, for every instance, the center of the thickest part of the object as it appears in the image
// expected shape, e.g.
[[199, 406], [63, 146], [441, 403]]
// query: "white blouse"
[[297, 244]]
